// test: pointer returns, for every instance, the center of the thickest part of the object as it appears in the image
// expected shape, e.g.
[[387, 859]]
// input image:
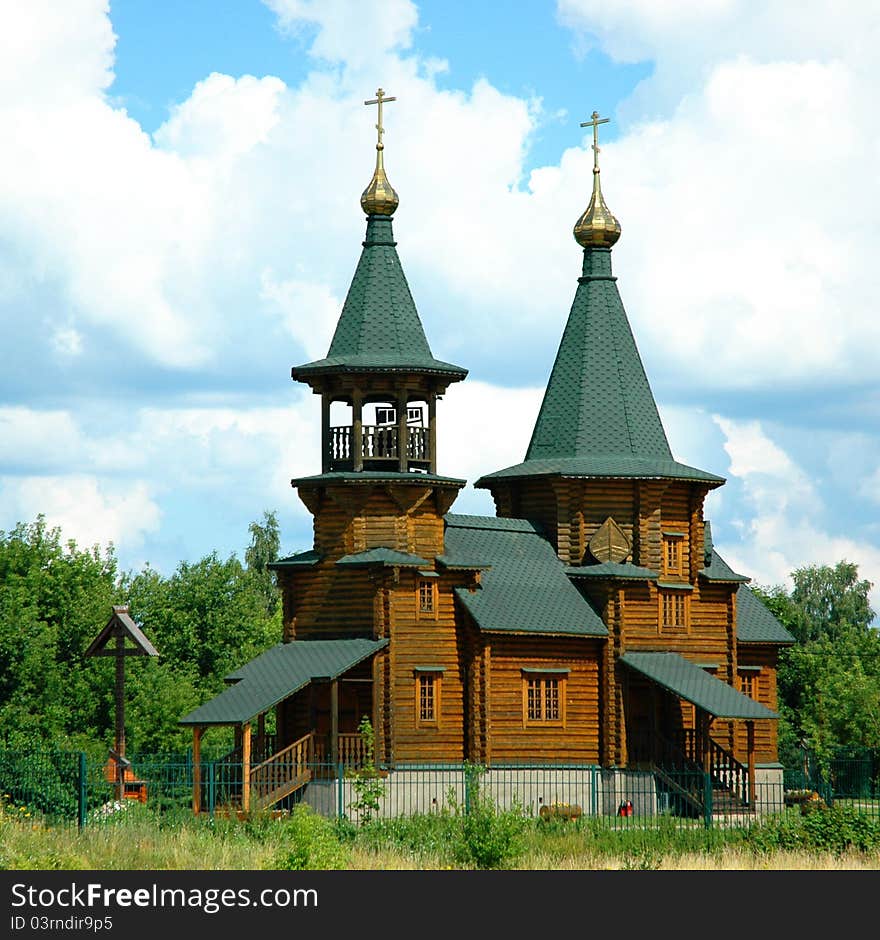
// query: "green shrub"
[[830, 829], [366, 781], [314, 844], [486, 836]]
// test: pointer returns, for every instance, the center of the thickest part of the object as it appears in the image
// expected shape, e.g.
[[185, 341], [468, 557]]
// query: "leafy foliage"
[[487, 836], [830, 829], [313, 843], [829, 682], [366, 781], [205, 619]]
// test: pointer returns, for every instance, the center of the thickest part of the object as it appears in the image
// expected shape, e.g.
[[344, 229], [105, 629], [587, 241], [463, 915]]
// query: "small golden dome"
[[379, 198], [597, 227]]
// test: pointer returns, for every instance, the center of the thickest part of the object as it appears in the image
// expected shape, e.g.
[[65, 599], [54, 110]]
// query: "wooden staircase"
[[684, 778], [280, 774]]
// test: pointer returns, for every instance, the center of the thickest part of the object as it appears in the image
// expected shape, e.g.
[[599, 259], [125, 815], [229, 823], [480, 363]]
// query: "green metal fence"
[[65, 788]]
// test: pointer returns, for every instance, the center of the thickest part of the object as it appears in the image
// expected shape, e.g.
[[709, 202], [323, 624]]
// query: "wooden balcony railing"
[[378, 442]]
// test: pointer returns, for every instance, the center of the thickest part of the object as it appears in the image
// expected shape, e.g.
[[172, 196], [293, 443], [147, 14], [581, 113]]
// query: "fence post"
[[467, 790], [82, 791], [340, 775], [594, 801], [212, 789], [707, 800]]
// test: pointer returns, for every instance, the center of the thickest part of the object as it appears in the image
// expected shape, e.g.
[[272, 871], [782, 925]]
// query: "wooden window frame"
[[536, 684], [422, 613], [428, 677], [748, 681], [675, 541], [680, 600]]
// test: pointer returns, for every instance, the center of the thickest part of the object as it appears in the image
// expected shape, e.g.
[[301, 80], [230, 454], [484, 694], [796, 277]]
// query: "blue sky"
[[179, 223]]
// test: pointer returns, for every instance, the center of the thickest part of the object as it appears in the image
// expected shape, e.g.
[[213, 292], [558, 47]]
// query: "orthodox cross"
[[120, 637], [379, 100], [594, 122]]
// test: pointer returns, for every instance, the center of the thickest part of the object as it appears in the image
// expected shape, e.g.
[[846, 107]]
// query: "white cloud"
[[744, 180], [309, 311], [87, 510], [781, 518], [347, 34]]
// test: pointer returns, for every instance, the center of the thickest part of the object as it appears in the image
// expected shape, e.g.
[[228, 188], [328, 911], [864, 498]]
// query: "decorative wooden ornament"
[[610, 543]]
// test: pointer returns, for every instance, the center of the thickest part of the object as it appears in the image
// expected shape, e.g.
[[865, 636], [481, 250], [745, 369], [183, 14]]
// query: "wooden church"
[[590, 622]]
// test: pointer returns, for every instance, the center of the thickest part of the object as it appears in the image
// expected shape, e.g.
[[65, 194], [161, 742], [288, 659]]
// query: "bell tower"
[[379, 385]]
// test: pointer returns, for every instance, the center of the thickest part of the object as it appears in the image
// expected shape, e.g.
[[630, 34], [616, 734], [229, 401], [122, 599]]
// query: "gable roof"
[[598, 417], [755, 622], [121, 624], [525, 589], [278, 672], [379, 328], [692, 683]]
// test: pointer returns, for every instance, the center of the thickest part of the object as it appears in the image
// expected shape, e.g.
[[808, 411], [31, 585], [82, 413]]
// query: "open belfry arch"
[[589, 622]]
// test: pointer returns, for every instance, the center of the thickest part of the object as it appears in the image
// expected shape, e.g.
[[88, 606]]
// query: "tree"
[[829, 681], [830, 601], [265, 542]]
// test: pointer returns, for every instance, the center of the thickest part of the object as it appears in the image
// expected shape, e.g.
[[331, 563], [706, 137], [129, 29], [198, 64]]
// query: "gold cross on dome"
[[379, 100], [594, 122]]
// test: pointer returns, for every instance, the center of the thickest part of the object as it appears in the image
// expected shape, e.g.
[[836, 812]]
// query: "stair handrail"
[[291, 761]]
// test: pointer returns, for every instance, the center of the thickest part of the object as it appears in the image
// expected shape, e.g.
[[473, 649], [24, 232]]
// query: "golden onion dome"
[[379, 198], [597, 227]]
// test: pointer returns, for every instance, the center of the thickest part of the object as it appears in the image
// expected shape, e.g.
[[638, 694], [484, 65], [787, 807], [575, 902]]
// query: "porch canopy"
[[692, 683], [279, 672]]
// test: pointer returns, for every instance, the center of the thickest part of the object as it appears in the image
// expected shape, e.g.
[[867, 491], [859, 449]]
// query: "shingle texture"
[[754, 621], [609, 569], [379, 328], [384, 557], [694, 684], [278, 672], [598, 417], [525, 590], [300, 560]]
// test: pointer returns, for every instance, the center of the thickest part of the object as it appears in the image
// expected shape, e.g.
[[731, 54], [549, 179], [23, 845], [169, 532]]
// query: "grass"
[[141, 840]]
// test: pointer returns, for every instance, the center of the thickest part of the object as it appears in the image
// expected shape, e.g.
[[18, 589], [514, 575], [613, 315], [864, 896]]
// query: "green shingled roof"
[[379, 328], [279, 672], [692, 683], [382, 556], [525, 590], [598, 417], [609, 569], [300, 560], [754, 621]]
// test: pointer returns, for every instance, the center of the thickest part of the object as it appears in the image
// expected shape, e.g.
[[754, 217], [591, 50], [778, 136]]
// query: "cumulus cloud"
[[781, 516], [87, 510], [195, 264]]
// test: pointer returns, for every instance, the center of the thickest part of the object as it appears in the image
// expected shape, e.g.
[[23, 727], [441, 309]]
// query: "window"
[[673, 610], [673, 544], [543, 698], [427, 598], [748, 684], [428, 696]]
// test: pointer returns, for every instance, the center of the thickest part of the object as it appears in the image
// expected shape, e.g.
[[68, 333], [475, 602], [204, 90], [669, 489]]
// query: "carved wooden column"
[[402, 448], [357, 430], [325, 432], [432, 431]]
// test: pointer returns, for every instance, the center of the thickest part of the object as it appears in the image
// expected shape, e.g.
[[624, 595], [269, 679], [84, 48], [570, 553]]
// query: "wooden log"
[[246, 766], [197, 769]]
